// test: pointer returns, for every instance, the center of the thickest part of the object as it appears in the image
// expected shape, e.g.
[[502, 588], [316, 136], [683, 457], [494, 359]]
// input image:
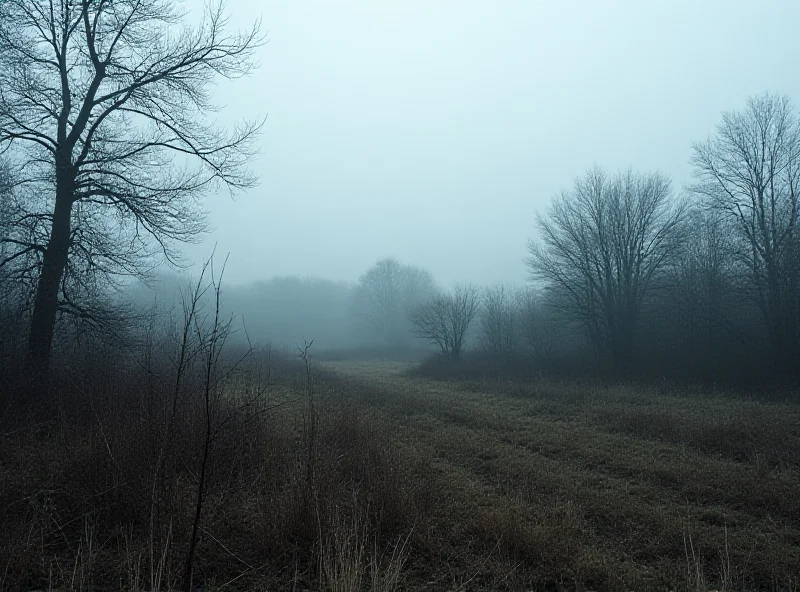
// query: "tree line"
[[708, 277], [630, 276], [107, 149]]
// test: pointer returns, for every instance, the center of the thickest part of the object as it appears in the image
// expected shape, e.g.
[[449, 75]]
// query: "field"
[[562, 485], [378, 479]]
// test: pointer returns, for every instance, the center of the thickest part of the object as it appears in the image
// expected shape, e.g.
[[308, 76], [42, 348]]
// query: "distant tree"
[[445, 319], [388, 292], [14, 278], [601, 245], [538, 328], [706, 282], [501, 320], [8, 287], [749, 172], [288, 310], [6, 184], [105, 104]]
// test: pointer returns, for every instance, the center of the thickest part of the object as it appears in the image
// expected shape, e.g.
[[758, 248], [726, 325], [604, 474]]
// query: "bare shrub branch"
[[601, 245], [445, 319]]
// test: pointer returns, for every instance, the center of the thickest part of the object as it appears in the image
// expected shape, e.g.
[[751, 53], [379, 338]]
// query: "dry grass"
[[90, 501], [562, 484], [410, 484]]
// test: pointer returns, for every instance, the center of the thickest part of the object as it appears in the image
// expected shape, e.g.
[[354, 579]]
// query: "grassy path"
[[599, 488]]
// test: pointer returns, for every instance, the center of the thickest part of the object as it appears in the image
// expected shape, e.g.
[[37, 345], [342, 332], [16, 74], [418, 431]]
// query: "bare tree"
[[750, 172], [704, 286], [445, 319], [538, 328], [12, 291], [388, 293], [601, 245], [501, 320], [105, 104], [6, 184]]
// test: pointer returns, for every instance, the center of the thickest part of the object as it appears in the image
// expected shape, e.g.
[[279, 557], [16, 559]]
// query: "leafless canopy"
[[389, 292], [750, 173], [445, 319], [104, 108], [502, 319], [602, 242]]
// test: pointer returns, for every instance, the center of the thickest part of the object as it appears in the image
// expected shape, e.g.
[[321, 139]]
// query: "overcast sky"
[[433, 130]]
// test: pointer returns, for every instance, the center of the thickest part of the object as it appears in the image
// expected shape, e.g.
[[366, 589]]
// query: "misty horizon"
[[433, 133], [356, 295]]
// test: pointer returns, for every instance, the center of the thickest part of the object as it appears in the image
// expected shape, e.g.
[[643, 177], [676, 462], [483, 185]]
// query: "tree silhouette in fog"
[[387, 294], [749, 172], [104, 105], [445, 319], [602, 243]]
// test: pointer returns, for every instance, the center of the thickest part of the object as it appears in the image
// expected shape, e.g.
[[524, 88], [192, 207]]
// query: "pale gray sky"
[[432, 130]]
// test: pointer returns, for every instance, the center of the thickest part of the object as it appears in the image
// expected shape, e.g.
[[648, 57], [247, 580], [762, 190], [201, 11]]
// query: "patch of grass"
[[92, 499], [573, 485], [376, 353], [403, 483]]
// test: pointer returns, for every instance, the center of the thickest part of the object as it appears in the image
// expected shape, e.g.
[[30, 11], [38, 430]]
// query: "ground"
[[539, 485], [356, 476]]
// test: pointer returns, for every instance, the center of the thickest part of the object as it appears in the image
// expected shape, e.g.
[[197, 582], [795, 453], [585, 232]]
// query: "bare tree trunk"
[[198, 510], [74, 78], [54, 263]]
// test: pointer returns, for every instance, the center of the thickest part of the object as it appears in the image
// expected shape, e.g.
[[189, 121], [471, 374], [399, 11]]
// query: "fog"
[[433, 131], [498, 295], [524, 177]]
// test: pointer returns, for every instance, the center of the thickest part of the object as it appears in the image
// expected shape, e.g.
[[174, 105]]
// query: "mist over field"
[[433, 131], [349, 295]]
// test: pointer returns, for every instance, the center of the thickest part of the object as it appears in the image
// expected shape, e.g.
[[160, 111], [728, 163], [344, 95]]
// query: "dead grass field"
[[562, 486], [404, 483]]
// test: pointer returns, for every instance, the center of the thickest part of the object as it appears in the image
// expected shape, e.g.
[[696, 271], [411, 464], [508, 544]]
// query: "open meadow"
[[539, 486], [399, 296], [364, 475]]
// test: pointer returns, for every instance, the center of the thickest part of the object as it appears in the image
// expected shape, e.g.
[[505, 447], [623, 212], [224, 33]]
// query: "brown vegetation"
[[401, 483], [562, 485]]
